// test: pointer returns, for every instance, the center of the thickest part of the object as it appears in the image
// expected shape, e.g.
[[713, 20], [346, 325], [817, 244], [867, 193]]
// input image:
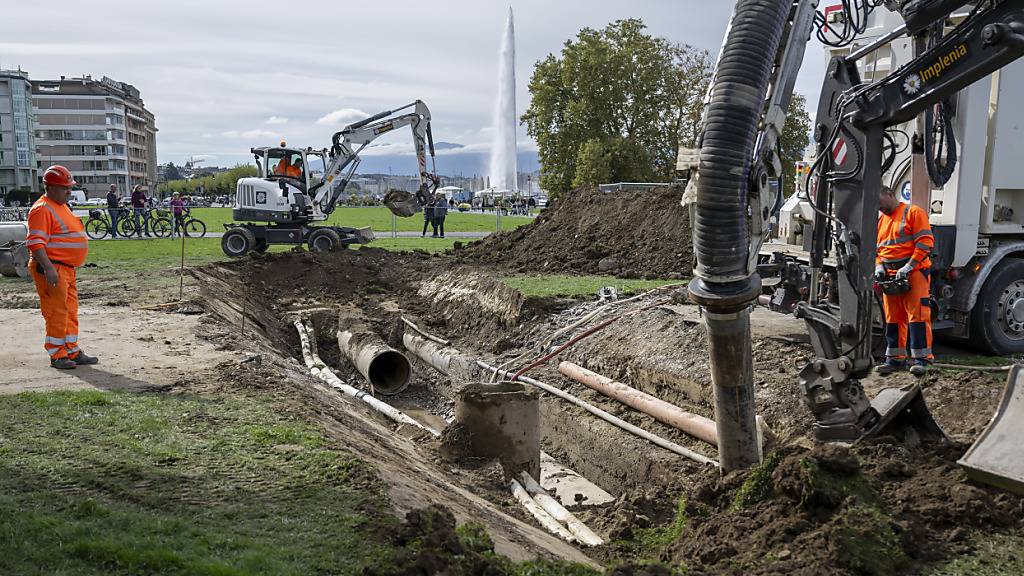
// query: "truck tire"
[[237, 242], [324, 240], [997, 320]]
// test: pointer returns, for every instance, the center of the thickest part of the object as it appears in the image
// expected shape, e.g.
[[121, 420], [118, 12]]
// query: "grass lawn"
[[156, 254], [561, 285], [119, 483], [379, 219]]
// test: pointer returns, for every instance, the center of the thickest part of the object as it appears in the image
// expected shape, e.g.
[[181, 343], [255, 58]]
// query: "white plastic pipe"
[[545, 519], [320, 370], [443, 358], [580, 530], [635, 430]]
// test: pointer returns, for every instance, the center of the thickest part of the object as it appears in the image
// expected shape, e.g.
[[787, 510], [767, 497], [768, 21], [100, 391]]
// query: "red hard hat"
[[58, 175]]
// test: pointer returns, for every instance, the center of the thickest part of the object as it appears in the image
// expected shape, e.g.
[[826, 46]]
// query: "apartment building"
[[98, 129], [17, 150]]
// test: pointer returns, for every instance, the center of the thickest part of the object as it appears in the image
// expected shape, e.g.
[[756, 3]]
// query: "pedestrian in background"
[[440, 212], [428, 217], [113, 209], [58, 244], [140, 210], [177, 205]]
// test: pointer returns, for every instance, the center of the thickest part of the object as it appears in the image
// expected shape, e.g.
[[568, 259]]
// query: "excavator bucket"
[[997, 456], [904, 414], [402, 203]]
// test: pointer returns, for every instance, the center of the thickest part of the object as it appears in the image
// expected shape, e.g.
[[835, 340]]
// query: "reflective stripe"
[[903, 239], [903, 221], [56, 341], [895, 351], [70, 244], [60, 222], [73, 350], [34, 242], [72, 338], [54, 351], [920, 246], [70, 235], [38, 233], [921, 353]]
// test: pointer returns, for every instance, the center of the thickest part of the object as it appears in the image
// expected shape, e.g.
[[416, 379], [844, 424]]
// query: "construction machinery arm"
[[849, 131], [348, 143]]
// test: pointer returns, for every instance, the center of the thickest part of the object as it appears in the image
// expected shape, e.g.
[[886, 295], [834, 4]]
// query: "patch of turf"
[[867, 543], [572, 286], [115, 483], [758, 485], [993, 555]]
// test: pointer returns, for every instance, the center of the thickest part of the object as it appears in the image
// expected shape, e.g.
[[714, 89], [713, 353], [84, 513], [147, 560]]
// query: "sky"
[[222, 76]]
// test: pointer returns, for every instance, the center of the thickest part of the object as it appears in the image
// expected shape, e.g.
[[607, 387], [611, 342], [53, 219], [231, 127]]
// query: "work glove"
[[879, 273], [905, 270]]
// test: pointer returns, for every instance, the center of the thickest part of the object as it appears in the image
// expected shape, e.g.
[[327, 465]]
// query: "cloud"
[[277, 120], [204, 157], [250, 134], [342, 117]]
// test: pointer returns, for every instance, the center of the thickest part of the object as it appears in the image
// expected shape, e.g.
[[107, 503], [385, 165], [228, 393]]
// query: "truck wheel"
[[998, 315], [324, 240], [237, 242]]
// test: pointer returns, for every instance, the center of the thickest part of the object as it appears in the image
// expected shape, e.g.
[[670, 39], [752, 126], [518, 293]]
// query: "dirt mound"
[[877, 508], [630, 234]]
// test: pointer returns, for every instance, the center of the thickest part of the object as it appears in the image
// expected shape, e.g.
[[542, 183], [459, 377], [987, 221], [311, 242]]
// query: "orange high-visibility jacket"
[[905, 234], [55, 228]]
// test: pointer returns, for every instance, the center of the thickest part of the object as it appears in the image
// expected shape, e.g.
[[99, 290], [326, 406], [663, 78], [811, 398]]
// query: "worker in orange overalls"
[[905, 242], [57, 242]]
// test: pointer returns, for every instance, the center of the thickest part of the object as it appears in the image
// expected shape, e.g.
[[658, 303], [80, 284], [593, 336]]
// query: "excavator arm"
[[348, 143], [853, 116]]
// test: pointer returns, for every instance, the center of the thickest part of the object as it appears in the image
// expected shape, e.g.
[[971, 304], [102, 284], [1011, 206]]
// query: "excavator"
[[298, 187], [733, 193]]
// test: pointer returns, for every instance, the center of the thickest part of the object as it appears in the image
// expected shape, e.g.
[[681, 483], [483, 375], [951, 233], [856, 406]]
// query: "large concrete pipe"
[[13, 253], [387, 370], [445, 359]]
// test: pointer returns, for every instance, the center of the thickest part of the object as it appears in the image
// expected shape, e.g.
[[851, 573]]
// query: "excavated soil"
[[878, 508], [629, 234]]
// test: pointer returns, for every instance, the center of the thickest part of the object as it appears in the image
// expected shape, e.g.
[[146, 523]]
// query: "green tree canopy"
[[794, 140], [222, 184], [616, 93]]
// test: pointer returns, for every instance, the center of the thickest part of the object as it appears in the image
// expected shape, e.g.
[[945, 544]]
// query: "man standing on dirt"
[[113, 209], [140, 210], [905, 242], [58, 244]]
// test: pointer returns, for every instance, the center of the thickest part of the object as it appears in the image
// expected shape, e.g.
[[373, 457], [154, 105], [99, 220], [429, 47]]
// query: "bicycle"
[[191, 226], [98, 225]]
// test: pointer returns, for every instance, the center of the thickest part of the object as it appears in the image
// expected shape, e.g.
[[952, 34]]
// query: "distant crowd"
[[139, 207]]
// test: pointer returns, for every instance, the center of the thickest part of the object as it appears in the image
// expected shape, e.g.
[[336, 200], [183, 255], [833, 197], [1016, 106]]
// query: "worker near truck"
[[904, 244], [58, 245]]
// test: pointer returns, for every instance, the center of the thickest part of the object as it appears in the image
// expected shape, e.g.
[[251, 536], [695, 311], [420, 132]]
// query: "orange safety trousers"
[[908, 319], [59, 305]]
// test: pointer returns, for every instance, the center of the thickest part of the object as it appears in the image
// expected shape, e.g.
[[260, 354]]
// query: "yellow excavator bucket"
[[997, 456]]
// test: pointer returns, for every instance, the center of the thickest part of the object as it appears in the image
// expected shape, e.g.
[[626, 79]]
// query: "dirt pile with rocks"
[[631, 234]]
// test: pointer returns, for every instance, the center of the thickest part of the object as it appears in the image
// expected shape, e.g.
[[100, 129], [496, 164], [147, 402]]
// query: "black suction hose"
[[721, 237]]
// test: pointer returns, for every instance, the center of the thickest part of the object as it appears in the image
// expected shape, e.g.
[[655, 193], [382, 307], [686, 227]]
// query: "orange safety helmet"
[[58, 175]]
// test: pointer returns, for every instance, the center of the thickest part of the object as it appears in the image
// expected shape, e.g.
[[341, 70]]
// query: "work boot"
[[891, 365], [84, 359], [64, 363], [919, 368]]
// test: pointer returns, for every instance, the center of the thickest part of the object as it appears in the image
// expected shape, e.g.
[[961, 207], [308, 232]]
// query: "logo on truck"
[[912, 83]]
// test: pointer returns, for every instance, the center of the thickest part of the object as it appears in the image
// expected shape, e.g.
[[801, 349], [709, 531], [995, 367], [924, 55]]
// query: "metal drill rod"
[[732, 374]]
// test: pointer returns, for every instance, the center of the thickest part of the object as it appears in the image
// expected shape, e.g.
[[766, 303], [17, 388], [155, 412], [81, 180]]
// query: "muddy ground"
[[631, 234], [879, 508]]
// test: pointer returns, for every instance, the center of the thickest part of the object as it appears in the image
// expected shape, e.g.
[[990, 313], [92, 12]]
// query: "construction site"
[[687, 377]]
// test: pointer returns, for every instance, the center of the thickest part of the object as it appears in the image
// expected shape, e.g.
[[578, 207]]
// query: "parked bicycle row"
[[148, 222]]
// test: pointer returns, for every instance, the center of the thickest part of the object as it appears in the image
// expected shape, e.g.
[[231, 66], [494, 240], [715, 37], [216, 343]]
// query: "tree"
[[171, 172], [615, 89], [793, 142], [614, 159]]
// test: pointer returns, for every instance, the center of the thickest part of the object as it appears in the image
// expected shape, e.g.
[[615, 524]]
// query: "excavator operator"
[[286, 168], [903, 266]]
